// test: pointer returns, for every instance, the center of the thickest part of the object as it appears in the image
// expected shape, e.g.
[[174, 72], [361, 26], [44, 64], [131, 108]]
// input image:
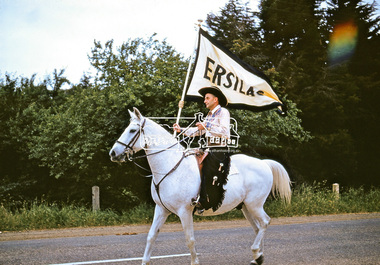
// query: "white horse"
[[176, 180]]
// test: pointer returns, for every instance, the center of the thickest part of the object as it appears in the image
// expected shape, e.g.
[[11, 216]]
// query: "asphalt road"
[[332, 242]]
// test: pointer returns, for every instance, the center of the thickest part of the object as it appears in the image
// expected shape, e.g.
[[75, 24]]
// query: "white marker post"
[[335, 189]]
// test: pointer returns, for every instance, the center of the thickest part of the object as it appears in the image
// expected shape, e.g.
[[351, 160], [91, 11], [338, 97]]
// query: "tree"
[[76, 135], [335, 109], [236, 27], [57, 81], [336, 101], [262, 134], [55, 141], [294, 40], [356, 78], [359, 20], [141, 71], [20, 101]]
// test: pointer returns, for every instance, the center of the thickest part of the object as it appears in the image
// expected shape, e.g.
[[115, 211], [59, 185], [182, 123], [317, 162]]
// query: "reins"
[[132, 159], [157, 186], [163, 150]]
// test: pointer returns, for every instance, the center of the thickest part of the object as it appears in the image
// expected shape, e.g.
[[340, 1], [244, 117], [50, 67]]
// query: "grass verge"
[[306, 200]]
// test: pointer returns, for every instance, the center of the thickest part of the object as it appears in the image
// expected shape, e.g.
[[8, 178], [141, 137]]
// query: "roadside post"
[[335, 188], [95, 198]]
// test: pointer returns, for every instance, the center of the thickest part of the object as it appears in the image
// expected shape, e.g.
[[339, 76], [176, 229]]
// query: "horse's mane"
[[162, 132], [160, 127]]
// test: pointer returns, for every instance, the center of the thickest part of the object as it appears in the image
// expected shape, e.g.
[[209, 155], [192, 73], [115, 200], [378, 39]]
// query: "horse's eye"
[[133, 130]]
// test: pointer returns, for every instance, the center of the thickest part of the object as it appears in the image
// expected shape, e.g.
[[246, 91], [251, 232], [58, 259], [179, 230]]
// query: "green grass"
[[319, 200], [306, 200]]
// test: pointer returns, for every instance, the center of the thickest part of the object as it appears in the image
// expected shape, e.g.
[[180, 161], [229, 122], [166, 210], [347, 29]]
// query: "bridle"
[[133, 141], [130, 145]]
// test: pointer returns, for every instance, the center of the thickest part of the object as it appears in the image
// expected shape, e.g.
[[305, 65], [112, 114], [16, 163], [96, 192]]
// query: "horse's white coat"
[[251, 186]]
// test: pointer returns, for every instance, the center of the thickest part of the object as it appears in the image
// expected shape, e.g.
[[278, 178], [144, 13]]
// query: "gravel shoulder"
[[171, 227]]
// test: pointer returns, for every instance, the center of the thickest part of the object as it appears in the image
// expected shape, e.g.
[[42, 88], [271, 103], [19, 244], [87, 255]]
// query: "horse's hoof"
[[258, 261]]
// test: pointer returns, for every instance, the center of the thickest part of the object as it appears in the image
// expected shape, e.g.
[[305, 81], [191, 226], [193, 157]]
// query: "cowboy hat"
[[216, 92]]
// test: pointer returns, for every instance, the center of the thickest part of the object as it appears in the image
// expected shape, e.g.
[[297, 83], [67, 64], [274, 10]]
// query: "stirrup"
[[195, 201], [200, 211]]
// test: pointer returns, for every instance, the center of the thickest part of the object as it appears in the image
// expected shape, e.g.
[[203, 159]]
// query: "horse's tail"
[[281, 181]]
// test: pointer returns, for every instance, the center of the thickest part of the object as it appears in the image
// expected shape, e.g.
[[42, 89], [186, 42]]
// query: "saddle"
[[200, 155]]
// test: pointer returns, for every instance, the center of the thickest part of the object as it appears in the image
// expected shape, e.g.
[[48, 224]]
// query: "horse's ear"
[[137, 113], [132, 114]]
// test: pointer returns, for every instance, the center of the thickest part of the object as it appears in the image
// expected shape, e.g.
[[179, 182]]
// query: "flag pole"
[[181, 103]]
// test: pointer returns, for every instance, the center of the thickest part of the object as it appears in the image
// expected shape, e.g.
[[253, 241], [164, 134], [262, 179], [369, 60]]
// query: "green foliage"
[[141, 71], [269, 130], [41, 215], [67, 134], [20, 101], [319, 199], [141, 214], [335, 102], [236, 28], [55, 136]]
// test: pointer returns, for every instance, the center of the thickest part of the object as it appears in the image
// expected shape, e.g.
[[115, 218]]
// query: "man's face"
[[211, 101]]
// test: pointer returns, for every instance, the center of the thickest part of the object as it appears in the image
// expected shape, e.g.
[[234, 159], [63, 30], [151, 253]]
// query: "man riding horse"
[[215, 165]]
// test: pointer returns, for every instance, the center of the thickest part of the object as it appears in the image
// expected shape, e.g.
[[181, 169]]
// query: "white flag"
[[244, 86]]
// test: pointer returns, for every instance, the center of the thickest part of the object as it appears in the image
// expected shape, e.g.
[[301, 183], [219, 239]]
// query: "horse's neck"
[[161, 150]]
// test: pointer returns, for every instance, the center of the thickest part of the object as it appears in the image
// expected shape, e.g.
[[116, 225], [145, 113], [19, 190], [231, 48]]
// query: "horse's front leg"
[[188, 227], [160, 216]]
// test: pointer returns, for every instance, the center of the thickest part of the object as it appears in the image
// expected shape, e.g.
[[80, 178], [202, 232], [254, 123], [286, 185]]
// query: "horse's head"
[[131, 140]]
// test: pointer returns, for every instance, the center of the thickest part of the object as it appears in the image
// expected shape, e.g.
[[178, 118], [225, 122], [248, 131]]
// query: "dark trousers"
[[214, 175]]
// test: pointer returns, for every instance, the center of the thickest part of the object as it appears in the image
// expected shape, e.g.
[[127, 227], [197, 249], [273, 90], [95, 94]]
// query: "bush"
[[318, 199]]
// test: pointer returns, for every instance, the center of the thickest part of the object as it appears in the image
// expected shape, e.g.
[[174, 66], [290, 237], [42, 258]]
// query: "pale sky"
[[38, 36]]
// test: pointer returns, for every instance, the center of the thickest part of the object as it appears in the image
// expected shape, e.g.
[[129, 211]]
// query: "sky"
[[38, 36]]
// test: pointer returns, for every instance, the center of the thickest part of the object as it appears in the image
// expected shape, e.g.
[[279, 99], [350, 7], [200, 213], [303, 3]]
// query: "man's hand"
[[176, 128], [201, 126]]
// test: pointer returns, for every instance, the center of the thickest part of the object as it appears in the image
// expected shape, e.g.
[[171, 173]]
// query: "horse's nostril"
[[113, 154]]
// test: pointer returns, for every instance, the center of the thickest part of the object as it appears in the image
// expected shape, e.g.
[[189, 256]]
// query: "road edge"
[[172, 227]]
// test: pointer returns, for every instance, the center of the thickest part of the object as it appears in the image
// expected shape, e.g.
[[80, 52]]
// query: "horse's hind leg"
[[259, 221], [188, 227], [160, 216]]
